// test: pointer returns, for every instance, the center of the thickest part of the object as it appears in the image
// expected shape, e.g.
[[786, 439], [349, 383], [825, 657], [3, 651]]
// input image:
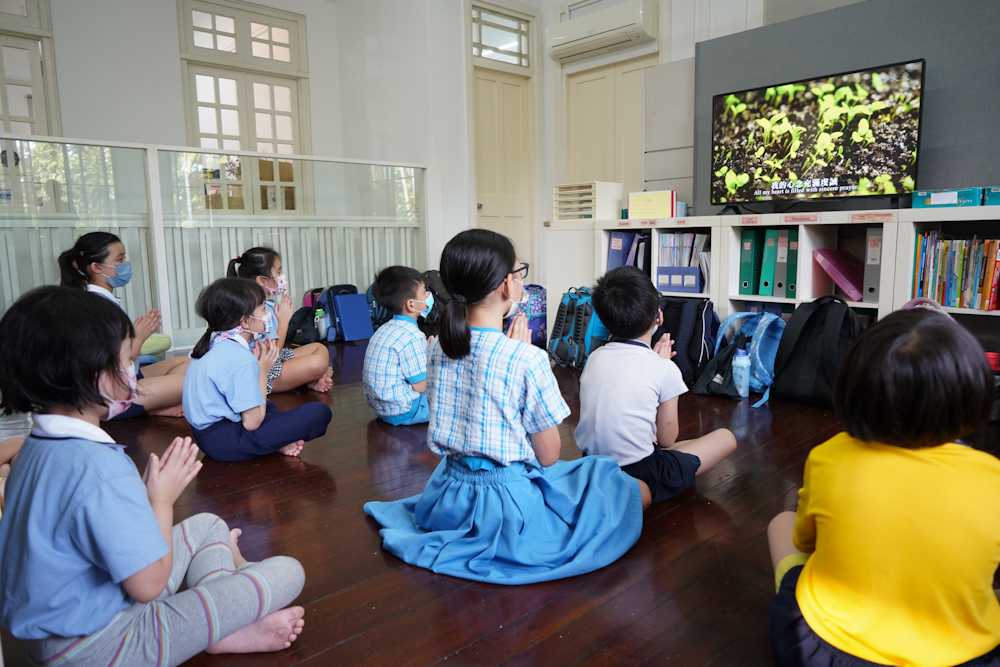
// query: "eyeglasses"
[[522, 272]]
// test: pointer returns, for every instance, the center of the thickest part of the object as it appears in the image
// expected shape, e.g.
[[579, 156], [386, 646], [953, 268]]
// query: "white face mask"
[[282, 285], [514, 304], [259, 335]]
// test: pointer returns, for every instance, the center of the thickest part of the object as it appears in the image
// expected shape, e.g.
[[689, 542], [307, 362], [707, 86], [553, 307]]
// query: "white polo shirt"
[[621, 389]]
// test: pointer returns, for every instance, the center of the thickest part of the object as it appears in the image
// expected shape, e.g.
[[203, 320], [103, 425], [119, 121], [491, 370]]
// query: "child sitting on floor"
[[90, 563], [395, 370], [891, 556], [501, 507], [226, 383], [308, 365], [629, 393]]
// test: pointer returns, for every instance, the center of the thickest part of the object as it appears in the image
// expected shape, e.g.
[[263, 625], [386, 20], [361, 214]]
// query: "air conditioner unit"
[[619, 27]]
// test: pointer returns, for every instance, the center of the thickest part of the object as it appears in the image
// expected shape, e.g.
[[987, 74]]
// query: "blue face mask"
[[123, 274], [429, 303]]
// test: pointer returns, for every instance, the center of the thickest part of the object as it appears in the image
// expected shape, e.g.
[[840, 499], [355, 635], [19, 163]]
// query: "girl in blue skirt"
[[501, 507]]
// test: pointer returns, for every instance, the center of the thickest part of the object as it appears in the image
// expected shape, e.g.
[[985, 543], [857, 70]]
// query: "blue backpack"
[[763, 333], [379, 314], [577, 330]]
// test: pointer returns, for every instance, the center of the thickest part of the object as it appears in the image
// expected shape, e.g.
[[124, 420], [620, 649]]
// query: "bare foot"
[[175, 411], [234, 536], [323, 384], [293, 449], [274, 632]]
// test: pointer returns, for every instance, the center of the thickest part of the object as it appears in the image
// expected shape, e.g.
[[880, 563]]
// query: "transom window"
[[270, 42], [213, 31], [499, 36]]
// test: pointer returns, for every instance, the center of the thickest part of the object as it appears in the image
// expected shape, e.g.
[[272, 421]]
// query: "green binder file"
[[767, 263], [751, 249], [792, 271]]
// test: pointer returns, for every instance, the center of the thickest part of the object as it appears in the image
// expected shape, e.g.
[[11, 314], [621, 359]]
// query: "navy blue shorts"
[[666, 472], [229, 441], [794, 644]]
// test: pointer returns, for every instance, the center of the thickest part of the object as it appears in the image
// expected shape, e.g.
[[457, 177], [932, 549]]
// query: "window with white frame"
[[499, 36], [25, 47]]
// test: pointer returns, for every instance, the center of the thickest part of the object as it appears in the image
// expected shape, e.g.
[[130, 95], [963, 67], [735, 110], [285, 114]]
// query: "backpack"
[[577, 330], [693, 327], [814, 343], [763, 332], [536, 311], [378, 313], [716, 378], [309, 298], [434, 285], [302, 328]]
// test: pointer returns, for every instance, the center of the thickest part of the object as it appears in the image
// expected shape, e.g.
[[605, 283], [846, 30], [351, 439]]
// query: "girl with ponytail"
[[97, 263], [501, 507], [308, 365], [226, 385]]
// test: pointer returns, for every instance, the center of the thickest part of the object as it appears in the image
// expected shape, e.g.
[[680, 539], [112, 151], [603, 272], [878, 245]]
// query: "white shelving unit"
[[577, 253]]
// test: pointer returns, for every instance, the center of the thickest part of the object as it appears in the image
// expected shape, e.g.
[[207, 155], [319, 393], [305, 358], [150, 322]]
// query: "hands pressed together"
[[166, 478], [518, 329]]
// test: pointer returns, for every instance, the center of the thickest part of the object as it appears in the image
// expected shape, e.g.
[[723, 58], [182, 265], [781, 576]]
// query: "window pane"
[[235, 196], [499, 39], [502, 57], [285, 149], [230, 122], [203, 40], [15, 7], [205, 87], [266, 169], [227, 92], [524, 44], [21, 128], [265, 148], [262, 96], [261, 50], [289, 199], [209, 142], [201, 20], [225, 24], [19, 101], [233, 167], [264, 126], [283, 98], [231, 144], [226, 43], [206, 121], [286, 171], [16, 64], [279, 35], [258, 30], [281, 53], [283, 127], [496, 18]]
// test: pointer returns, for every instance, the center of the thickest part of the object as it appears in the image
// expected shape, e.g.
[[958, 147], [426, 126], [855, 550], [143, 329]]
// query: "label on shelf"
[[647, 223], [680, 221], [888, 216], [624, 223], [798, 218], [749, 219]]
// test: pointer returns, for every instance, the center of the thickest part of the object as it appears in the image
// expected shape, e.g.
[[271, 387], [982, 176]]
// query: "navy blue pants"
[[229, 441]]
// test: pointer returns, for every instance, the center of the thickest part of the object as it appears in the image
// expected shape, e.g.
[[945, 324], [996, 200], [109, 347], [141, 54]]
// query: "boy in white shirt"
[[629, 392]]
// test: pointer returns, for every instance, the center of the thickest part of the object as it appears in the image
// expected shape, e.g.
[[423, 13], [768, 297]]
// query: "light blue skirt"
[[519, 524]]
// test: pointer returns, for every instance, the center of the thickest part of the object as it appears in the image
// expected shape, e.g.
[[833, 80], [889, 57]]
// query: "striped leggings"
[[219, 599]]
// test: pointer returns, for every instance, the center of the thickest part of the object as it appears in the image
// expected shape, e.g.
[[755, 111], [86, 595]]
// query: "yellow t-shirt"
[[905, 544]]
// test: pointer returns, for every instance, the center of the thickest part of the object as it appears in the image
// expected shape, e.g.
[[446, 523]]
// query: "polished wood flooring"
[[693, 591]]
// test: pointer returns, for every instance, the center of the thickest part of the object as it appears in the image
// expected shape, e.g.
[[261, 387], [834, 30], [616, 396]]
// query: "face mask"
[[514, 304], [282, 286], [259, 335], [429, 303], [116, 407], [123, 274]]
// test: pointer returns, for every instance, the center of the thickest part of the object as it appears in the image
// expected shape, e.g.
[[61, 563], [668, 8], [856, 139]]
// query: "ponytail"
[[89, 248], [224, 304], [203, 345], [231, 270], [473, 264]]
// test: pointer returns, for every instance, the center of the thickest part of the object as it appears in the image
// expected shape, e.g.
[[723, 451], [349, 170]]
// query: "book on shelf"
[[959, 273]]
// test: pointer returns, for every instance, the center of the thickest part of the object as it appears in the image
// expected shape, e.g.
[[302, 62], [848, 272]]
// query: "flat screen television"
[[847, 135]]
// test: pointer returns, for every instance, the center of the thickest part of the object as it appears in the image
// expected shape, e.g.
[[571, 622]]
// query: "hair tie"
[[81, 252], [461, 299]]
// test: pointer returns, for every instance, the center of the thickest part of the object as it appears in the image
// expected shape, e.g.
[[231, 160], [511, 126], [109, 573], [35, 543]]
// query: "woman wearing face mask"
[[97, 263], [226, 384], [308, 365]]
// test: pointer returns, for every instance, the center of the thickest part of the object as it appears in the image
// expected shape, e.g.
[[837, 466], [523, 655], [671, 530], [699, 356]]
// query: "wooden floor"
[[693, 591]]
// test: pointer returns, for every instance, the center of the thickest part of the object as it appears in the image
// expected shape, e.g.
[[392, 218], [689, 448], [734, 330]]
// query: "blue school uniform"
[[136, 409], [395, 360], [224, 383], [74, 498], [490, 512]]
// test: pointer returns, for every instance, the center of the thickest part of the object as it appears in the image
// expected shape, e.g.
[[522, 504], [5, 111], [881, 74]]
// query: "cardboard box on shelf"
[[948, 198]]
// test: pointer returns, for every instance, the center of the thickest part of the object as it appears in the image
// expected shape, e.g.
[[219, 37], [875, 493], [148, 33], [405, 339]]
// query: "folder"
[[792, 272], [767, 263], [621, 244], [751, 251], [873, 264], [354, 321], [781, 263], [844, 268]]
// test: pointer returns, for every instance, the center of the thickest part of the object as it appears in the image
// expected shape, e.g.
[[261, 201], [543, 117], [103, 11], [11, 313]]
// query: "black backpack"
[[693, 327], [716, 378], [302, 327], [434, 285], [815, 341]]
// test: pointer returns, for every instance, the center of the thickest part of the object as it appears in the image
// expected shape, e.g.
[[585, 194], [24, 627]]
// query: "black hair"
[[224, 304], [254, 262], [89, 248], [473, 264], [915, 379], [396, 285], [626, 301], [44, 362]]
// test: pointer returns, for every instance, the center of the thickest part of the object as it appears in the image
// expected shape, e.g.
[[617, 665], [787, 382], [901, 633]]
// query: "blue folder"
[[354, 322], [618, 248]]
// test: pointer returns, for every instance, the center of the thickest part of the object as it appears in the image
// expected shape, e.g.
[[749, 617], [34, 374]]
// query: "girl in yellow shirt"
[[890, 558]]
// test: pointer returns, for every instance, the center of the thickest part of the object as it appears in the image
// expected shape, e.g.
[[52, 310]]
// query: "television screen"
[[849, 135]]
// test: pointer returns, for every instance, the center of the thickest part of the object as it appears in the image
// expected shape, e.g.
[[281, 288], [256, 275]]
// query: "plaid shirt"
[[396, 358], [487, 403]]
